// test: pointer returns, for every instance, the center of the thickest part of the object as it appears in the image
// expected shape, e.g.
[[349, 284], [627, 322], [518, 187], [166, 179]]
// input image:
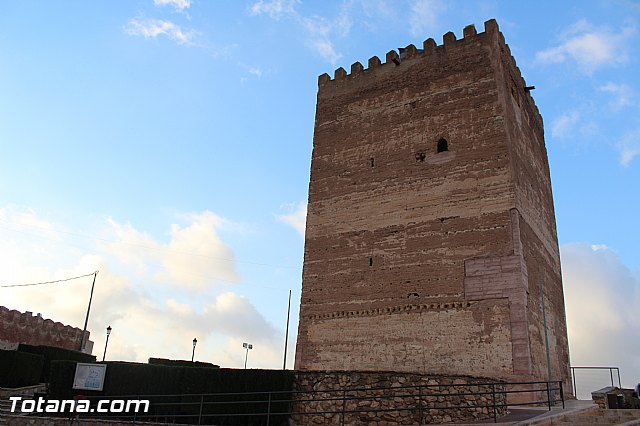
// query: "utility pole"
[[286, 335], [86, 320]]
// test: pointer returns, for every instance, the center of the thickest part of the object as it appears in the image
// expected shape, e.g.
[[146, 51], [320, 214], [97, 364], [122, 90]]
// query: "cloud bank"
[[602, 303], [156, 295]]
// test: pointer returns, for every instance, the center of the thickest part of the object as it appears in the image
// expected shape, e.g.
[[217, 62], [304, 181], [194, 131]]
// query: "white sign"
[[89, 376]]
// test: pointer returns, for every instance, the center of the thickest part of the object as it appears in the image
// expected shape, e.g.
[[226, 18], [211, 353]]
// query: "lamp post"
[[195, 341], [106, 343], [247, 346]]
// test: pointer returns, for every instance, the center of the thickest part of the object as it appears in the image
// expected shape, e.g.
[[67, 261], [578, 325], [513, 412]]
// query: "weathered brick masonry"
[[425, 261], [17, 327]]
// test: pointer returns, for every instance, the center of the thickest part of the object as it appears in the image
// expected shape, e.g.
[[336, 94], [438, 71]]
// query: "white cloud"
[[152, 28], [324, 47], [320, 32], [590, 47], [629, 147], [564, 125], [602, 300], [274, 8], [195, 257], [424, 16], [148, 319], [297, 218], [622, 93], [253, 70], [179, 5], [256, 71]]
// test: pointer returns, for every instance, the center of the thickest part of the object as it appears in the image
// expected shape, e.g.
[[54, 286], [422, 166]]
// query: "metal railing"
[[341, 406], [595, 382]]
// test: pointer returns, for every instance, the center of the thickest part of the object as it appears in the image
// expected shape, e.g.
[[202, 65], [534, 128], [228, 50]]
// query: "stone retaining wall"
[[406, 403]]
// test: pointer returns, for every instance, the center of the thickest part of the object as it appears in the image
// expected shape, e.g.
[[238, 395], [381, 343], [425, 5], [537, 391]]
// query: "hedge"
[[181, 363], [51, 353], [19, 369], [131, 379]]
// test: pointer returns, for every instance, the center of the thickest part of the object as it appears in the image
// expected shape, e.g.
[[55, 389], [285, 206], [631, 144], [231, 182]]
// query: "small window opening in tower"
[[373, 163], [420, 156], [443, 145], [371, 261]]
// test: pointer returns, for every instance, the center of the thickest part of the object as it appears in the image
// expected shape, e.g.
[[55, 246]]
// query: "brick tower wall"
[[534, 203], [420, 261]]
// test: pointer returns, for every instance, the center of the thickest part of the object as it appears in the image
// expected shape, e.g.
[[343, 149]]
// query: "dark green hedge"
[[181, 363], [51, 353], [19, 369], [133, 379]]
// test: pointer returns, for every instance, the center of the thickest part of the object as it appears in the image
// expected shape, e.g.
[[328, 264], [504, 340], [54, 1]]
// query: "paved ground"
[[520, 415]]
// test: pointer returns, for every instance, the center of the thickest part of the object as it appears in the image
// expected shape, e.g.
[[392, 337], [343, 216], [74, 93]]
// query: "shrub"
[[20, 369]]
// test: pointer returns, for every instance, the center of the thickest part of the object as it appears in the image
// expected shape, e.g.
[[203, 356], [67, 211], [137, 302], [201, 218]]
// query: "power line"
[[48, 282]]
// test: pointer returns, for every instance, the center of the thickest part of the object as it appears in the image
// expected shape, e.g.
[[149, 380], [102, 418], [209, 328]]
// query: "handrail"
[[609, 369], [272, 406]]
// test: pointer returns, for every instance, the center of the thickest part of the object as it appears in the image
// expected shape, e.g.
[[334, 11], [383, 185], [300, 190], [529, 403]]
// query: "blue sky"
[[167, 144]]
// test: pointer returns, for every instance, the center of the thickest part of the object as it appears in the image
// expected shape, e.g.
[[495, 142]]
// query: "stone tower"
[[431, 241]]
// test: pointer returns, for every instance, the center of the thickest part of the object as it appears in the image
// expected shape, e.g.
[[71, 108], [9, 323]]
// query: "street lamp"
[[195, 341], [106, 343], [247, 346]]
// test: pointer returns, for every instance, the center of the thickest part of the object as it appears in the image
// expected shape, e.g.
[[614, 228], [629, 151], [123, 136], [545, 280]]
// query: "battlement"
[[18, 327], [395, 58], [430, 49]]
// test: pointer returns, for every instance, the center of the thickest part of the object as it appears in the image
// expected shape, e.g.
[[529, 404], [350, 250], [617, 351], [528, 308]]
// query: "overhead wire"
[[49, 282]]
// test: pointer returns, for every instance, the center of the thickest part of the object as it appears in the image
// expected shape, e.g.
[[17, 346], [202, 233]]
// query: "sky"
[[167, 145]]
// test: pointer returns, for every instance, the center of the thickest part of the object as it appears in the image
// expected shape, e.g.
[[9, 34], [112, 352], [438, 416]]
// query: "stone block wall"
[[403, 404]]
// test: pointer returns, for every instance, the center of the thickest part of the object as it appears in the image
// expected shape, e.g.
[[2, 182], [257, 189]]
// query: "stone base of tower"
[[362, 398]]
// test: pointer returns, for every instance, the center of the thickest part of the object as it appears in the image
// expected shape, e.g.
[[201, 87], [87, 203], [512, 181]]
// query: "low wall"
[[18, 327], [25, 391], [353, 393]]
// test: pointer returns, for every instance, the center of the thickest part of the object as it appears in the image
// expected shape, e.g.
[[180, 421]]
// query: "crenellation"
[[323, 79], [429, 46], [18, 327], [491, 26], [469, 31], [448, 39], [356, 68], [339, 73], [392, 57], [409, 51]]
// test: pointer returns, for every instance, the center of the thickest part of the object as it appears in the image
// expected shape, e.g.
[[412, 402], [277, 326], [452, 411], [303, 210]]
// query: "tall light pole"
[[247, 346], [195, 341], [106, 343]]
